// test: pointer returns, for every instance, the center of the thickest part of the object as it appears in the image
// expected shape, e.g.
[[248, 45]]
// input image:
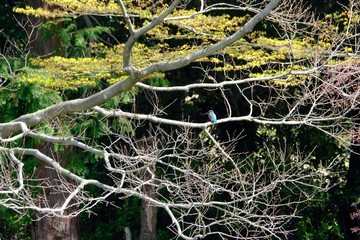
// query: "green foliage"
[[321, 221], [159, 82], [124, 98], [12, 226], [162, 234], [9, 65], [19, 98], [123, 126], [325, 230], [75, 42], [78, 163], [87, 127]]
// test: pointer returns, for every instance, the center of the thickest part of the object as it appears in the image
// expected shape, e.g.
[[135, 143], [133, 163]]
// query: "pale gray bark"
[[127, 233]]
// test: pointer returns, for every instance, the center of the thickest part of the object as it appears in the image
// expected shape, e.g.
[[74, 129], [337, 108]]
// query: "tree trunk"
[[46, 227], [148, 216], [53, 228], [38, 44], [148, 211], [352, 189], [148, 221], [127, 234]]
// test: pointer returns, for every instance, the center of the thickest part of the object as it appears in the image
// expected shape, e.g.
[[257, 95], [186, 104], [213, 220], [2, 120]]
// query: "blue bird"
[[212, 116]]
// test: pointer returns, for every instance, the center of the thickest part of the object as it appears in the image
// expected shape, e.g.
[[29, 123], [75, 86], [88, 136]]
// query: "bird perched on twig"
[[212, 116]]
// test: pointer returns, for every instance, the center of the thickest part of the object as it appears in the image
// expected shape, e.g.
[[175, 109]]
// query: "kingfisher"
[[212, 116]]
